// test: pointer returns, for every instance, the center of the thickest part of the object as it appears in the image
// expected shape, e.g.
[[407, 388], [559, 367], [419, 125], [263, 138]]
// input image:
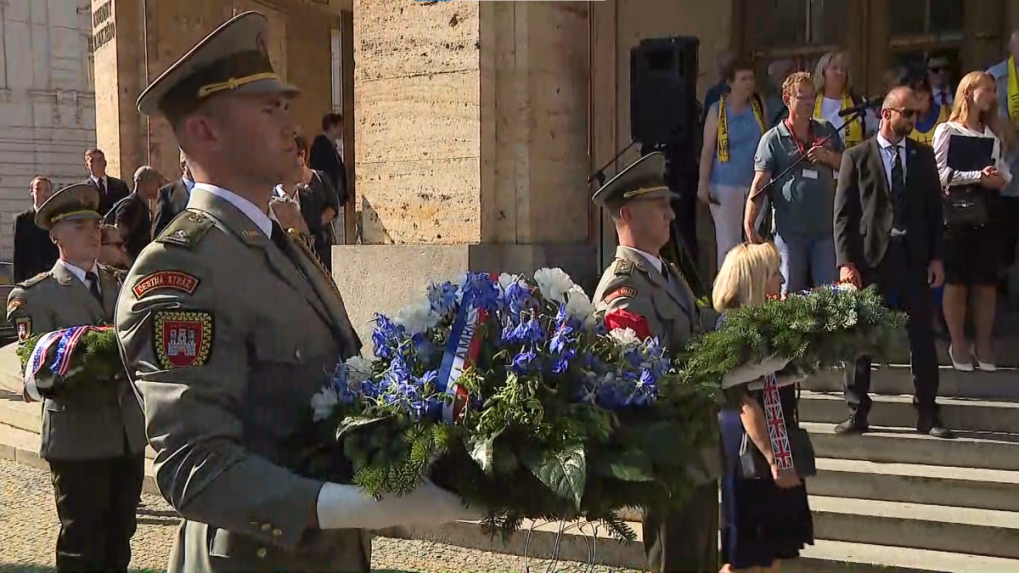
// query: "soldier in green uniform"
[[93, 438], [642, 292], [229, 326]]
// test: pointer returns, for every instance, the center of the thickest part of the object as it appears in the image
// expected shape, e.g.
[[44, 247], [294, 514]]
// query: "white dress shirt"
[[257, 216], [106, 182], [296, 197], [888, 151], [188, 184], [943, 136], [80, 273], [655, 261]]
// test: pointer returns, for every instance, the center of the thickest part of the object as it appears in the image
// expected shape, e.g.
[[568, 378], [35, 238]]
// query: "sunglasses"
[[938, 69], [906, 112]]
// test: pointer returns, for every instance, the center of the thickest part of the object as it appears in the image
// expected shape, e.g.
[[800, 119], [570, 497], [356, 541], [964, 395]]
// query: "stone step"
[[957, 413], [904, 446], [825, 556], [897, 380], [935, 485], [1006, 351], [918, 526], [27, 416]]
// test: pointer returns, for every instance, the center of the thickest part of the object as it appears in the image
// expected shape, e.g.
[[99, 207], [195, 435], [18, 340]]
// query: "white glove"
[[752, 371], [347, 507]]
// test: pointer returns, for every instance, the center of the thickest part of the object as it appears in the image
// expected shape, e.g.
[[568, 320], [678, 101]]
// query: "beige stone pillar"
[[471, 122], [136, 40]]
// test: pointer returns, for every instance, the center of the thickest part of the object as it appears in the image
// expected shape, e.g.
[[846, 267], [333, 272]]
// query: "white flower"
[[460, 281], [848, 287], [624, 336], [358, 369], [506, 279], [553, 283], [579, 306], [417, 317], [323, 403]]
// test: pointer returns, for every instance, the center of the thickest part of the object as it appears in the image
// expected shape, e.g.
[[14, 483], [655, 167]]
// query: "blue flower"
[[562, 362], [522, 361], [482, 291], [442, 297], [386, 336], [517, 299], [529, 331]]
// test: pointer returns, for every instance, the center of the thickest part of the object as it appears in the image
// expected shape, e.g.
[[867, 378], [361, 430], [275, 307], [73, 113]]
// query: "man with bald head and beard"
[[888, 232]]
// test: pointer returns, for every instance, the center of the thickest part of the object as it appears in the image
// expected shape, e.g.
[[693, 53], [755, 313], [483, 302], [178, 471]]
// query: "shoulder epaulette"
[[119, 274], [186, 230], [623, 267], [35, 280]]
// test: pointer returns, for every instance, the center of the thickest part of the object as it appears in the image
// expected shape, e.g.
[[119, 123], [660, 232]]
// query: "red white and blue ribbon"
[[66, 342], [777, 434], [461, 352]]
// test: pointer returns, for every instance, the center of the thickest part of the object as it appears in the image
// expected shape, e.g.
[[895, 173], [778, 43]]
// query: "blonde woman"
[[732, 131], [973, 252], [764, 520], [834, 95]]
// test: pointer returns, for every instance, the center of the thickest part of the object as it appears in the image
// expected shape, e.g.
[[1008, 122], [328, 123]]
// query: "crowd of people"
[[751, 137], [799, 199], [135, 215]]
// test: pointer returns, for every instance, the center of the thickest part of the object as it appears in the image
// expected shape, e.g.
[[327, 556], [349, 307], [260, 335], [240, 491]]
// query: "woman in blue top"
[[733, 129]]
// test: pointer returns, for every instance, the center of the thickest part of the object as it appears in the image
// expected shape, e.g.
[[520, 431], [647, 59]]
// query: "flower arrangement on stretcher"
[[510, 392]]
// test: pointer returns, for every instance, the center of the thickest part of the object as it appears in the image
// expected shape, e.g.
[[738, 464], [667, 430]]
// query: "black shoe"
[[932, 426], [853, 425]]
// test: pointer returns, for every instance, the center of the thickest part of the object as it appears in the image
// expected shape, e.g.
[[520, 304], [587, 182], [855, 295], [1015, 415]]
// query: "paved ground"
[[28, 527]]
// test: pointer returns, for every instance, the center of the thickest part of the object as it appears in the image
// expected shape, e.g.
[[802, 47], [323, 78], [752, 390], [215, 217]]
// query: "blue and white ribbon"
[[35, 362], [461, 352]]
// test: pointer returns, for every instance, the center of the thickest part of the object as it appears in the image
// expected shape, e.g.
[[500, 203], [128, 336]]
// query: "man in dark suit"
[[172, 198], [888, 223], [110, 188], [131, 214], [326, 157], [34, 252]]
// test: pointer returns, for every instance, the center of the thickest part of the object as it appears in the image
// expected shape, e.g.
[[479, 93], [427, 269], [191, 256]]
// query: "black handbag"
[[964, 205], [753, 464]]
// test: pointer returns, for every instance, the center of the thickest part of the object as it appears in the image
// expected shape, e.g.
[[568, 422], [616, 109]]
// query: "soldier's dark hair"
[[94, 150], [330, 119]]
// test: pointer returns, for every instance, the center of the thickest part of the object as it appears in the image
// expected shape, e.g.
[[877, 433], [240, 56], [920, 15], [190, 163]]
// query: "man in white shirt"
[[267, 326], [93, 436]]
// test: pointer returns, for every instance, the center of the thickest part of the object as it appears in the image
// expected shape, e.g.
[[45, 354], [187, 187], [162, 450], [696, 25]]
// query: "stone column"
[[136, 40], [471, 128]]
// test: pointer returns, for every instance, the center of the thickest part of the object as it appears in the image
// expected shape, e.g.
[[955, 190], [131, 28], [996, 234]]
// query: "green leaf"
[[628, 465], [564, 472], [352, 423], [482, 451]]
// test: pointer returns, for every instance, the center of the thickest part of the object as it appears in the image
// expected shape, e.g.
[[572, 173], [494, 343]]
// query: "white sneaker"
[[983, 366], [960, 366]]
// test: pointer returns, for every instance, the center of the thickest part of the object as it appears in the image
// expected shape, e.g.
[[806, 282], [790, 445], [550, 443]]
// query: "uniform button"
[[277, 532], [297, 354], [261, 553], [266, 527], [255, 524]]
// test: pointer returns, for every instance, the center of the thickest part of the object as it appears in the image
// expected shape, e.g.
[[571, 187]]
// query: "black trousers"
[[903, 283], [685, 541], [96, 504]]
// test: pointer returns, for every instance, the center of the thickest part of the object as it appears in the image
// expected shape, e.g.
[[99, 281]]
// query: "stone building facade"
[[47, 101]]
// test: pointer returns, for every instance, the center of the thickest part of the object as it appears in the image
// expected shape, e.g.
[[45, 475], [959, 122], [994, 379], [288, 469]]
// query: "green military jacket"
[[226, 337], [668, 305], [86, 423]]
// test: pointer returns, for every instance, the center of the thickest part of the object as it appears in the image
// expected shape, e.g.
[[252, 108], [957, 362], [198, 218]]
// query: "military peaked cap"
[[79, 201], [233, 58], [642, 179]]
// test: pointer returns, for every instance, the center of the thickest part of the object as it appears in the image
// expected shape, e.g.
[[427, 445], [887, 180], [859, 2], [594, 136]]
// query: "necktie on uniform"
[[93, 285]]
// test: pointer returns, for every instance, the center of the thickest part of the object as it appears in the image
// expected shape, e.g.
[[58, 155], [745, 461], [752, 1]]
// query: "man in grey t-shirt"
[[803, 199]]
